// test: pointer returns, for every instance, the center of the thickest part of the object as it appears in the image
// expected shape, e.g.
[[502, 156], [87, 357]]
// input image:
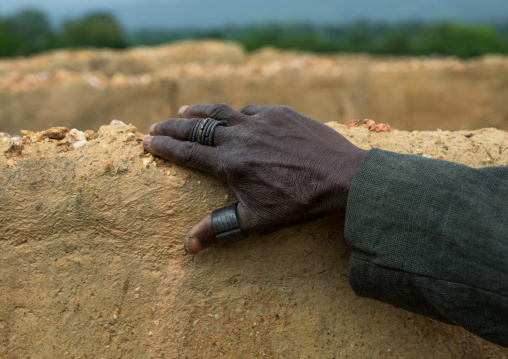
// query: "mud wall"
[[88, 87], [92, 264]]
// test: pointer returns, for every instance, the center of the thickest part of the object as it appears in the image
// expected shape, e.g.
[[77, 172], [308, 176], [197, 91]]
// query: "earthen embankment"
[[92, 264], [86, 88]]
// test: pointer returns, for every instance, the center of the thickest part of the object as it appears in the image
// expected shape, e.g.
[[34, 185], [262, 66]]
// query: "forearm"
[[432, 237]]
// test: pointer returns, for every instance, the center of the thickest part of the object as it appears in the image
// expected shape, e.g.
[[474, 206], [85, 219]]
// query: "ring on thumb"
[[222, 226]]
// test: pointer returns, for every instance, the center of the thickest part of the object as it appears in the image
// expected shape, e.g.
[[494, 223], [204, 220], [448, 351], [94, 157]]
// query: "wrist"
[[344, 172]]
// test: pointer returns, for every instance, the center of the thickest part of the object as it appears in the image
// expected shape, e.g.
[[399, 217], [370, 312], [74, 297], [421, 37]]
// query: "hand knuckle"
[[219, 110], [285, 109]]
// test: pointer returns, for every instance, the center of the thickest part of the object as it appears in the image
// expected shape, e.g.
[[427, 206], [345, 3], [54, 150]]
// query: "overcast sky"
[[135, 14], [12, 5], [70, 6]]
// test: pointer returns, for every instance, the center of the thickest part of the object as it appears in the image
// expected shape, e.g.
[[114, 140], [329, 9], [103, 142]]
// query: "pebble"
[[116, 122], [122, 168], [147, 160], [76, 138], [468, 134]]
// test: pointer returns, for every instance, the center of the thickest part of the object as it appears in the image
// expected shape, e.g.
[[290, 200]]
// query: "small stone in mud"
[[116, 122], [76, 138], [122, 168], [15, 151], [90, 135], [28, 133], [147, 160], [108, 166], [55, 133], [370, 124]]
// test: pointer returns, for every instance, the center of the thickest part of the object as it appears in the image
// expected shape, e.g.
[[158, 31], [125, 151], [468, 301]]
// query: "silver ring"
[[204, 130], [226, 225]]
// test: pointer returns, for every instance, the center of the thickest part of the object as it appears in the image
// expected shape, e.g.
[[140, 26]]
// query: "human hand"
[[284, 168]]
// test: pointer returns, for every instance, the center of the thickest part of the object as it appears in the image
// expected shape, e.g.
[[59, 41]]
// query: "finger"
[[182, 129], [184, 153], [178, 128], [200, 237], [251, 110], [221, 112]]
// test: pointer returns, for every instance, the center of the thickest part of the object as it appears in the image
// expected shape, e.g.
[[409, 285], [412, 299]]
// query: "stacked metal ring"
[[203, 131], [226, 225]]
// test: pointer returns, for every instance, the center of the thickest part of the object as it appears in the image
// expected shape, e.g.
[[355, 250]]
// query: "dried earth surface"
[[87, 88], [93, 265]]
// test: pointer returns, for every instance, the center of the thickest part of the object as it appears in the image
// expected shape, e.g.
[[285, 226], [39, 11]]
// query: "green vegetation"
[[96, 29], [460, 40], [30, 31], [26, 32]]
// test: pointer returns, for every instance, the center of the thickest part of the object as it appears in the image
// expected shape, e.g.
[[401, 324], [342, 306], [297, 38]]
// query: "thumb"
[[228, 229], [200, 236]]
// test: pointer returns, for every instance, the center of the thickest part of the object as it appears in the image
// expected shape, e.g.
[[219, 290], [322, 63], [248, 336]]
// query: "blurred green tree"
[[97, 29], [34, 31], [358, 37], [255, 37], [457, 40], [395, 42], [25, 32], [8, 40], [30, 31]]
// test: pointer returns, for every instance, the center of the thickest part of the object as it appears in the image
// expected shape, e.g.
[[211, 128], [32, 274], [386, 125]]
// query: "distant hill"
[[206, 14]]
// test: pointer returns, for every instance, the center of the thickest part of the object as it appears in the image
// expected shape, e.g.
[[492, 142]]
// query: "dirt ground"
[[92, 264], [87, 88]]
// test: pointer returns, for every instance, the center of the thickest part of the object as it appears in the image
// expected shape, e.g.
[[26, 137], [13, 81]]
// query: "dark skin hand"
[[284, 168]]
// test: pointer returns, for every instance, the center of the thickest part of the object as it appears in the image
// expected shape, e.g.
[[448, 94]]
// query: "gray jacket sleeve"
[[431, 237]]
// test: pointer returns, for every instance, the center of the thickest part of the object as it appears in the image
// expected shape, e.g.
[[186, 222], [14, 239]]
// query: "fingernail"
[[182, 110], [192, 245], [152, 128], [147, 141]]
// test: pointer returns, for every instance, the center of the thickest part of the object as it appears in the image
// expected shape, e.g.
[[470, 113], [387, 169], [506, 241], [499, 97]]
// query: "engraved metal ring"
[[204, 130], [226, 225]]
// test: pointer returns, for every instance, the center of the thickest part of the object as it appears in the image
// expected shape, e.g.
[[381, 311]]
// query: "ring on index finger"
[[204, 130]]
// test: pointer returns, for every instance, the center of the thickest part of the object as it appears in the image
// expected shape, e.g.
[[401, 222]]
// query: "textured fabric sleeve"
[[431, 237]]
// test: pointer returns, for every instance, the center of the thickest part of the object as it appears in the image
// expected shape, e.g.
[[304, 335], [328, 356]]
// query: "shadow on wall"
[[88, 88]]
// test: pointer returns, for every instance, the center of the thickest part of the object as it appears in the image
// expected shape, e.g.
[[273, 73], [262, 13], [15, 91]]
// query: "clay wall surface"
[[84, 88], [93, 264]]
